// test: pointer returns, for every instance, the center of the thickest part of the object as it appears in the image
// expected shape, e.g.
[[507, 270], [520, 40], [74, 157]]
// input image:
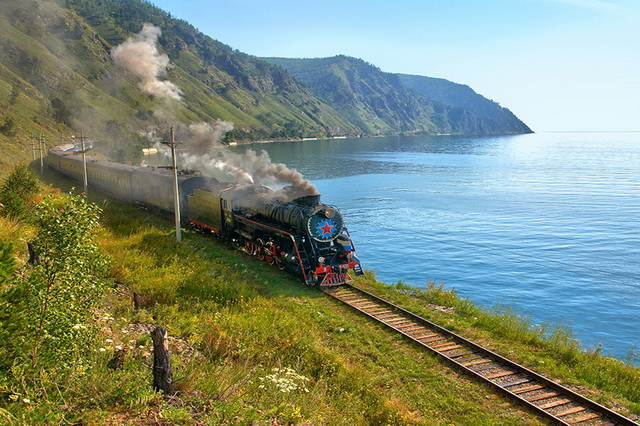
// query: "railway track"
[[540, 394]]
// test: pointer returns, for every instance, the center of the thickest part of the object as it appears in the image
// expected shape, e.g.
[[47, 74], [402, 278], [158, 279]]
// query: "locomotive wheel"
[[249, 247], [268, 253], [260, 249]]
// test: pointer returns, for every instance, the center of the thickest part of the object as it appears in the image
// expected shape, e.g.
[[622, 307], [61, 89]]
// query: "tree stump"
[[162, 373], [117, 362], [34, 259], [136, 301]]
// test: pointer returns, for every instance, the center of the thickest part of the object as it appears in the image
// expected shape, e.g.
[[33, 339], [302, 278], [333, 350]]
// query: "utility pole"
[[33, 147], [176, 196], [85, 180], [41, 142]]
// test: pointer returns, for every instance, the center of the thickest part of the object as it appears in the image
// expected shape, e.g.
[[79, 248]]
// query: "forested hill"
[[382, 102], [58, 76], [491, 116]]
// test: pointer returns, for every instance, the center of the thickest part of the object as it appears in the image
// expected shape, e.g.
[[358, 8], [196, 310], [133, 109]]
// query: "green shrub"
[[8, 126], [46, 316], [7, 263], [18, 190]]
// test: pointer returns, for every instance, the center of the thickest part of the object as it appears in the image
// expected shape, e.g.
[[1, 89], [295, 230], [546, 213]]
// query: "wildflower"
[[26, 400], [342, 330], [77, 327], [284, 380], [108, 340], [102, 349]]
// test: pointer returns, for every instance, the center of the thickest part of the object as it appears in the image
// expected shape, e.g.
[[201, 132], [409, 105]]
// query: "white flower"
[[102, 349], [108, 340], [26, 400], [285, 380], [77, 327]]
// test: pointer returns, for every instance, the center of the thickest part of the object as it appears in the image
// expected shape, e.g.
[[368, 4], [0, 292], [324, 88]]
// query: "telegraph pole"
[[33, 147], [176, 196], [85, 180], [41, 142]]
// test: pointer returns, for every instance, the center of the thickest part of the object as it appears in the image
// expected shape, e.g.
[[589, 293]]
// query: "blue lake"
[[546, 223]]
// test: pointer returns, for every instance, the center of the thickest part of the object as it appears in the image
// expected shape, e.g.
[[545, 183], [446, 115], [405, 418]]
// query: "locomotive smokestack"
[[308, 200]]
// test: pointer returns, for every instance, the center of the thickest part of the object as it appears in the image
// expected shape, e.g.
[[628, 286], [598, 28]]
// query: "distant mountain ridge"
[[380, 102], [491, 115]]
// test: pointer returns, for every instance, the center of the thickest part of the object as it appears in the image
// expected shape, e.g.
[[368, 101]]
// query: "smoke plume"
[[140, 57], [205, 152], [202, 147]]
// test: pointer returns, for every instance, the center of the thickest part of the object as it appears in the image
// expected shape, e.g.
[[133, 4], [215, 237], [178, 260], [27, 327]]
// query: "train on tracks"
[[303, 236]]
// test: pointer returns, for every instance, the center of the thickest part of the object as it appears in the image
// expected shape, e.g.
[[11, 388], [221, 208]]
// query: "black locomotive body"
[[303, 236]]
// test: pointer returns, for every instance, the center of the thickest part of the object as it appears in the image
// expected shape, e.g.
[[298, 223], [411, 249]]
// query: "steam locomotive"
[[303, 236]]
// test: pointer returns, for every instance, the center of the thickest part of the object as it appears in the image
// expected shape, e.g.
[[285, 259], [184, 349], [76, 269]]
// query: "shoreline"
[[319, 139]]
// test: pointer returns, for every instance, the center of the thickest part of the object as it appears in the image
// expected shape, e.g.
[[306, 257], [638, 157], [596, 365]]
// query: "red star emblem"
[[326, 228]]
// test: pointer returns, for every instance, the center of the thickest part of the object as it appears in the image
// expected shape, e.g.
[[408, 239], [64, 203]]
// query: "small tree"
[[61, 112], [17, 191], [52, 306], [14, 93], [8, 126]]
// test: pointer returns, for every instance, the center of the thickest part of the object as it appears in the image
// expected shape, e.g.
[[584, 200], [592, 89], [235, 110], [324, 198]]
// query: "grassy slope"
[[234, 319]]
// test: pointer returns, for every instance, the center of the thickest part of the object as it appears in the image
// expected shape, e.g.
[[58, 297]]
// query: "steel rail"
[[527, 387]]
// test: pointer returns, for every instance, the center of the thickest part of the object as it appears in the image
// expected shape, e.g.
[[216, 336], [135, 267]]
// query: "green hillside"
[[489, 115], [380, 102], [58, 77], [375, 101]]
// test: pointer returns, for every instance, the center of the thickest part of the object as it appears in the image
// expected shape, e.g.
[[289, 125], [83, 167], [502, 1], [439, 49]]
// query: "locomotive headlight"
[[329, 213], [321, 259]]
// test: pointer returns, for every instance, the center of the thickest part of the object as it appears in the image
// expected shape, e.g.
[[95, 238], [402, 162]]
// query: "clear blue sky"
[[557, 64]]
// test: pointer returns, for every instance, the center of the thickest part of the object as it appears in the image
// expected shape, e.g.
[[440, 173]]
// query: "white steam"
[[202, 147], [139, 56], [205, 152]]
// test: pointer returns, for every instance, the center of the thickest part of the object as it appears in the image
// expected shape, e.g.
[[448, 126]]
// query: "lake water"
[[546, 223]]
